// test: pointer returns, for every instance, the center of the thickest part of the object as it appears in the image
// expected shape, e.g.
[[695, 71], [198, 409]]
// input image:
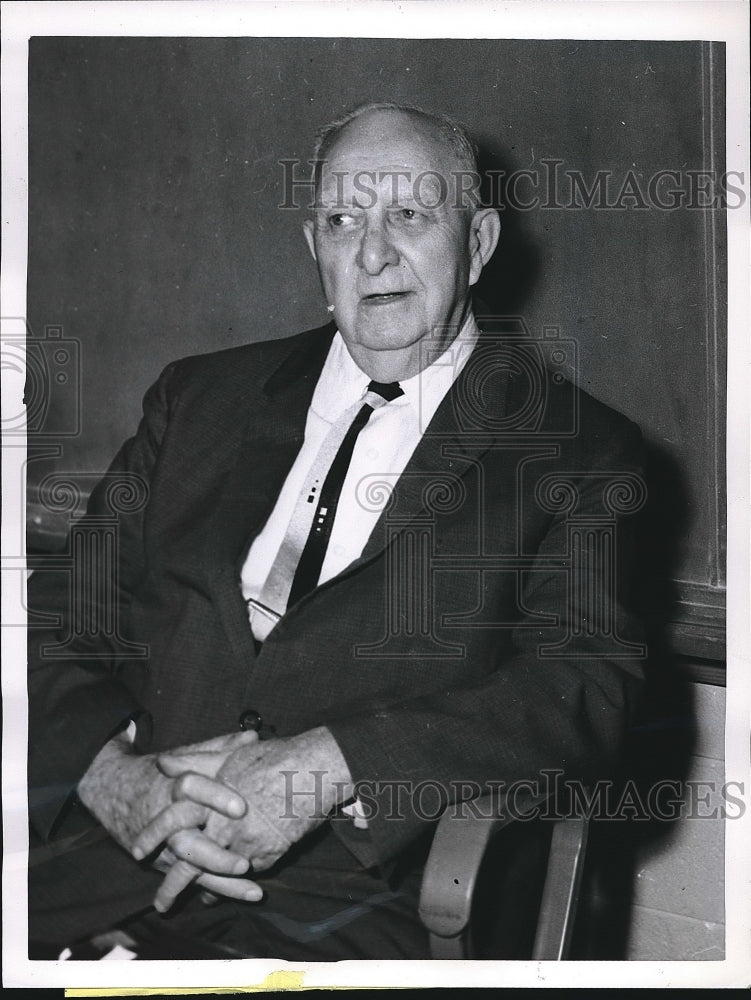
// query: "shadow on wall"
[[661, 739], [509, 278]]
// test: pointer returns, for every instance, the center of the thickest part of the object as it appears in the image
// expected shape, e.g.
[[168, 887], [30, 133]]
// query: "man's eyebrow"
[[336, 204]]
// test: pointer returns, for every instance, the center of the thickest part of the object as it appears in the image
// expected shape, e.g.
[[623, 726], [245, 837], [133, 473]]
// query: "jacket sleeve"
[[541, 710], [80, 668]]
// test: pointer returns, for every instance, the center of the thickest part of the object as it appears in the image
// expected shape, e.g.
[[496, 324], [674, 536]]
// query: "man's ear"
[[484, 232], [308, 229]]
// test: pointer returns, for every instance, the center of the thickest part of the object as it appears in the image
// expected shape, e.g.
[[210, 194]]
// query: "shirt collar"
[[342, 383], [426, 390]]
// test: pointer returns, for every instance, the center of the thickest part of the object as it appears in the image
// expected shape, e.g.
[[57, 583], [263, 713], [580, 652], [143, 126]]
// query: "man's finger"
[[204, 853], [201, 762], [180, 875], [223, 742], [183, 815], [206, 757], [233, 888], [207, 792]]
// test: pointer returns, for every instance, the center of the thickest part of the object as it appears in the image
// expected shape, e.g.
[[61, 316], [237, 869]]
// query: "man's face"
[[392, 247]]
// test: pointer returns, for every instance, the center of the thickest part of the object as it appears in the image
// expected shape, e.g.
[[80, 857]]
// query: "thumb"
[[205, 758], [231, 741], [227, 741], [175, 764]]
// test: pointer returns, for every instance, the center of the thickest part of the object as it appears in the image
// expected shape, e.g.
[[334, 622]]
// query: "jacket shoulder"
[[593, 430], [251, 363]]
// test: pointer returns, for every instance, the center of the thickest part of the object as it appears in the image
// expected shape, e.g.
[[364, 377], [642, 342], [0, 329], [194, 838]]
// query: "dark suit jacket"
[[465, 645]]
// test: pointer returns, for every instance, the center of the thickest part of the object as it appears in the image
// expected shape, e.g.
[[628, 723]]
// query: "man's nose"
[[376, 248]]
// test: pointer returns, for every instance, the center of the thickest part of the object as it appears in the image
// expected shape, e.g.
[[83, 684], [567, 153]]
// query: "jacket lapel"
[[272, 437], [461, 432]]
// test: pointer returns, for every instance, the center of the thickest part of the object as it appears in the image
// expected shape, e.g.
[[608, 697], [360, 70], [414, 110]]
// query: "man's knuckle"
[[183, 785]]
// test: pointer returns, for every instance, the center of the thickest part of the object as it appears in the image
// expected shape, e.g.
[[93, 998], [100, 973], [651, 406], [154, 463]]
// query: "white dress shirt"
[[382, 450]]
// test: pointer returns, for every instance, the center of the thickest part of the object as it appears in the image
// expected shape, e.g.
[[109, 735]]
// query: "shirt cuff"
[[138, 731], [357, 813]]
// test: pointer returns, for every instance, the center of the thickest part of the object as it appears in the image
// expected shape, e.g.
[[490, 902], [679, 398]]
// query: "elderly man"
[[350, 584]]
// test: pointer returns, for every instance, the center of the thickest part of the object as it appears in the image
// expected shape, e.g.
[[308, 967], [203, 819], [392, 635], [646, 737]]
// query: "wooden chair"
[[450, 879]]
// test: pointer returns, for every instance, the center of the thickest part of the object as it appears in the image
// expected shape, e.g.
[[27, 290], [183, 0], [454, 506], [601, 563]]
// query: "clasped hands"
[[221, 807]]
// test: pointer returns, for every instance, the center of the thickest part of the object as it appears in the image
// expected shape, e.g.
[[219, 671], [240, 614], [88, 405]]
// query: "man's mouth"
[[383, 298]]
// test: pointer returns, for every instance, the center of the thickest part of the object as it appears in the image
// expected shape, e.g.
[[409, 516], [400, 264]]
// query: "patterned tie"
[[298, 563]]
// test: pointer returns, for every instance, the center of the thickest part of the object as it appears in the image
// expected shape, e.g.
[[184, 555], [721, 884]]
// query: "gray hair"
[[451, 132]]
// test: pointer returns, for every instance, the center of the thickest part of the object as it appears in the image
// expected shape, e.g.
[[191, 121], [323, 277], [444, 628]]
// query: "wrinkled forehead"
[[387, 156]]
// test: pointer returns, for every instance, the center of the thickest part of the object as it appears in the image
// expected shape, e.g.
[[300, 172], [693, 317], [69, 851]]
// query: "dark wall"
[[156, 231]]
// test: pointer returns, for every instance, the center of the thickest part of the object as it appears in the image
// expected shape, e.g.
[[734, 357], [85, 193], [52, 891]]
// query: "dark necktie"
[[311, 559], [297, 566]]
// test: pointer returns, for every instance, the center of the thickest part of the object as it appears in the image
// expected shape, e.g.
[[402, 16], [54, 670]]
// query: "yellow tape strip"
[[276, 981]]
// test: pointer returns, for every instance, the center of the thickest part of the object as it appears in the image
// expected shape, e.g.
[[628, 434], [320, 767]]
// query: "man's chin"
[[385, 355], [395, 335]]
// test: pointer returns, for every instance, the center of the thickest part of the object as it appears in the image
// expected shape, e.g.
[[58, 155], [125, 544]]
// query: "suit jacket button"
[[250, 719]]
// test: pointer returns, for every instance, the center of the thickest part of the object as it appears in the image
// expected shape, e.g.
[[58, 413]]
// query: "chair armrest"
[[451, 871], [560, 895], [450, 875]]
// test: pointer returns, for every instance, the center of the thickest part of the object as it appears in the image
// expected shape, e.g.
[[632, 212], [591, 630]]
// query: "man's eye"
[[339, 219], [409, 217]]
